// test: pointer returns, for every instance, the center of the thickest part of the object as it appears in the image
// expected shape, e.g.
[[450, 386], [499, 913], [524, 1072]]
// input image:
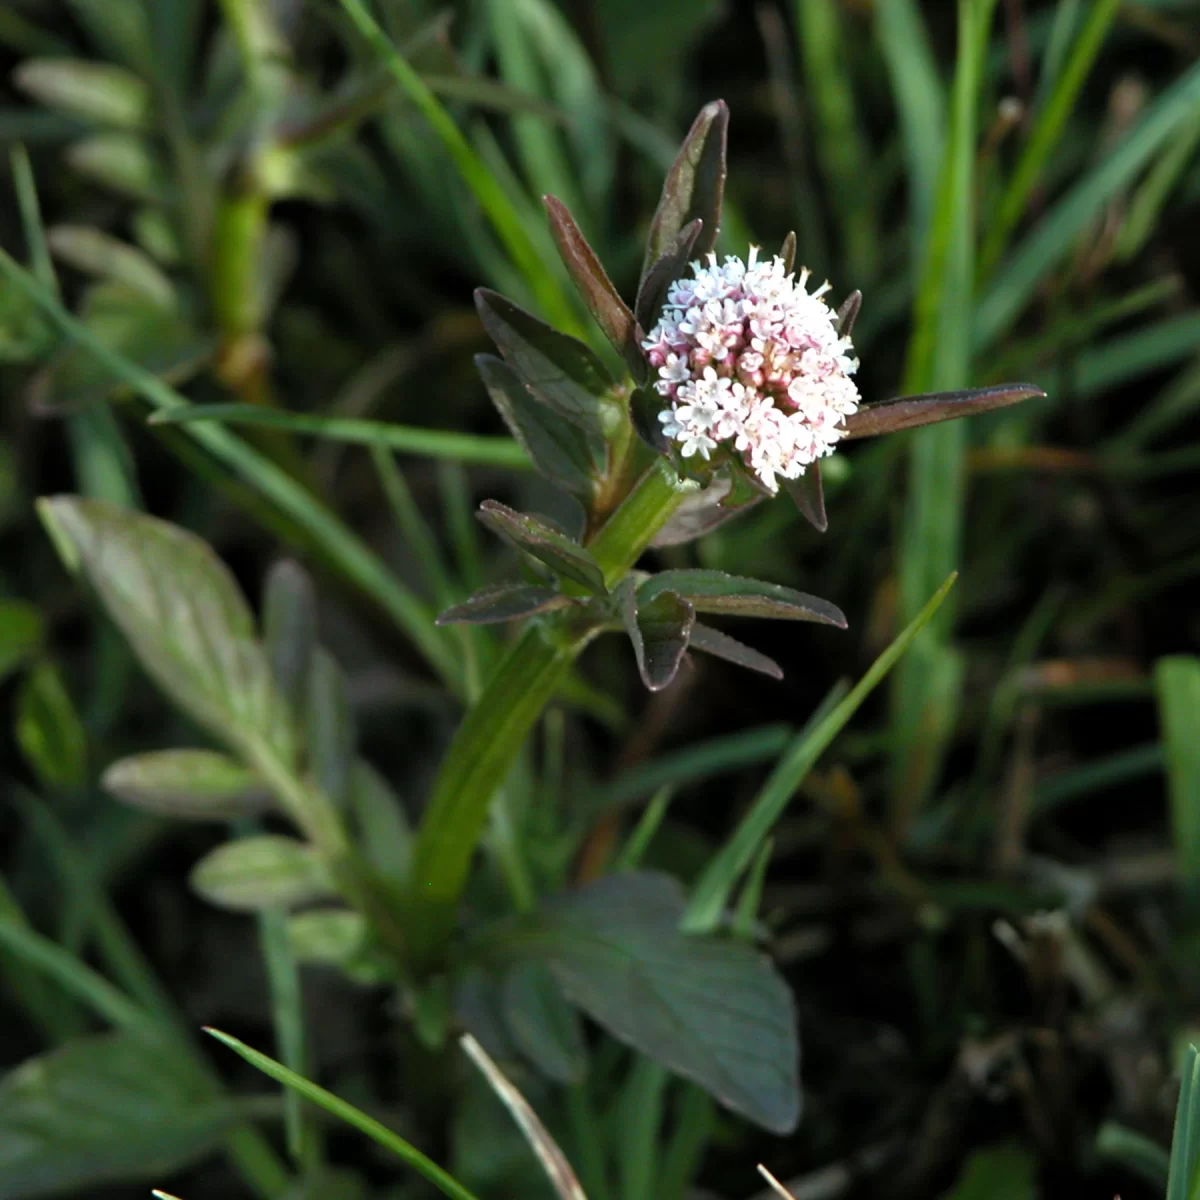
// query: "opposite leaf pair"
[[658, 612]]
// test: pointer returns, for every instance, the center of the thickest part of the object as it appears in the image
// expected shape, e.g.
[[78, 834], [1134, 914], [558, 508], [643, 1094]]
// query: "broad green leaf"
[[1004, 1172], [289, 623], [717, 592], [694, 187], [537, 539], [663, 271], [659, 626], [561, 371], [330, 735], [1177, 680], [713, 1011], [183, 615], [123, 163], [565, 453], [603, 300], [91, 91], [908, 412], [1135, 1152], [49, 731], [543, 1026], [253, 873], [435, 443], [809, 497], [107, 1109], [22, 631], [95, 252], [331, 937], [192, 785], [505, 602], [348, 1113], [721, 645]]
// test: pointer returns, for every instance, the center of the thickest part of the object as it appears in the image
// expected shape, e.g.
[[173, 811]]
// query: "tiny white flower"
[[747, 357]]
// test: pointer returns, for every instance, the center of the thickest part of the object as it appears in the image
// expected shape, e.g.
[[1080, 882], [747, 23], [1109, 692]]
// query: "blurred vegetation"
[[983, 894]]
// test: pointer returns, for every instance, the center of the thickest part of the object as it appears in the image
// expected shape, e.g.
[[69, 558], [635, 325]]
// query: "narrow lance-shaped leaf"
[[556, 550], [717, 592], [561, 371], [604, 302], [562, 451], [290, 628], [721, 645], [658, 626], [695, 185], [330, 734], [908, 412], [191, 785], [809, 497], [668, 267], [788, 252], [848, 313], [704, 511], [506, 602], [93, 91]]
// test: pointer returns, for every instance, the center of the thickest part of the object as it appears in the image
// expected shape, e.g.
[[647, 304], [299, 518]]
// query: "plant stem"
[[491, 734]]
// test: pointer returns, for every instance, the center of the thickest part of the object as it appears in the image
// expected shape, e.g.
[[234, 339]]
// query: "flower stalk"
[[490, 736]]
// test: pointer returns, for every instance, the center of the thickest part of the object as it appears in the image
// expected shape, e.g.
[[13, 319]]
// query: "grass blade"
[[711, 894], [1051, 121], [342, 548], [347, 1112], [487, 190], [1054, 236], [1177, 681], [432, 443]]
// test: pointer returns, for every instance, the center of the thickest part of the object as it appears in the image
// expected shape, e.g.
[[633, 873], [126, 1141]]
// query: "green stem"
[[478, 759]]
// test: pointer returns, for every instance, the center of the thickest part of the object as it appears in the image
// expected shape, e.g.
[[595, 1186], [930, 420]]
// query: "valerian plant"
[[736, 378]]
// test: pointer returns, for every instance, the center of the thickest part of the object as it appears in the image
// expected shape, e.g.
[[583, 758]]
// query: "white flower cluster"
[[748, 357]]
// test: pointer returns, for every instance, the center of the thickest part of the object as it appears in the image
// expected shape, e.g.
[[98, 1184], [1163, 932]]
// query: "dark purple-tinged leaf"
[[694, 187], [713, 1010], [561, 371], [809, 497], [908, 412], [717, 592], [565, 453], [668, 267], [721, 645], [542, 1025], [703, 511], [506, 602], [848, 313], [189, 785], [644, 406], [658, 627], [788, 251], [603, 300], [543, 542]]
